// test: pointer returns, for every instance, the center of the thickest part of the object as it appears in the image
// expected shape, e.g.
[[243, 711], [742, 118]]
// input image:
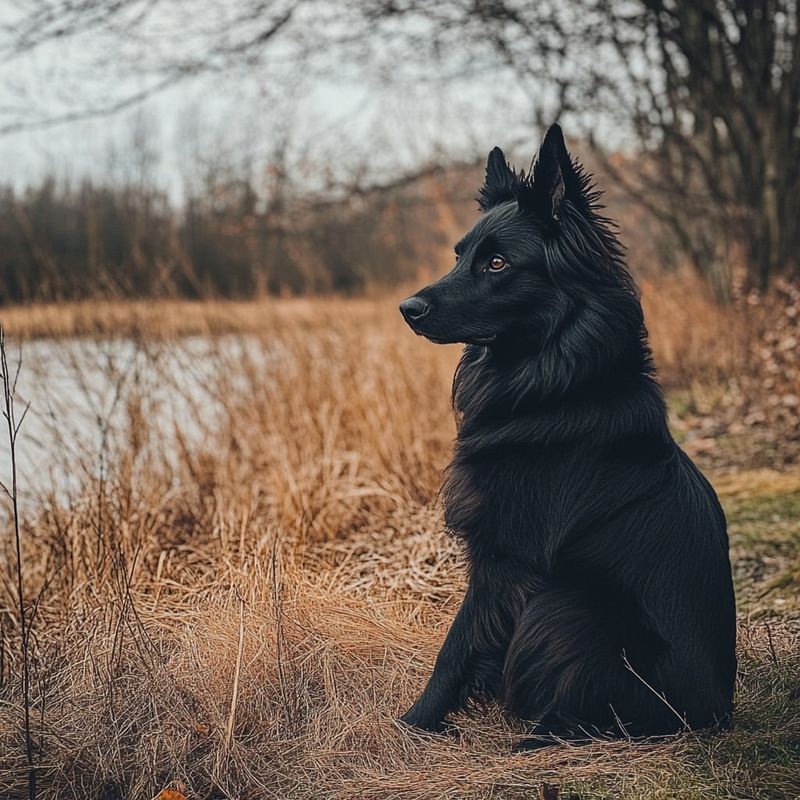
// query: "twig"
[[278, 606], [660, 695], [9, 387], [236, 674], [772, 653]]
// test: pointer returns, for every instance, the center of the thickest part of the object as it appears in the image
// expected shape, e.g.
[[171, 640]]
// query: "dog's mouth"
[[434, 339], [443, 336], [482, 341]]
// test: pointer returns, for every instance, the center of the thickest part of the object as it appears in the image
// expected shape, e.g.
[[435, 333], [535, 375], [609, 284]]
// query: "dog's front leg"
[[451, 673]]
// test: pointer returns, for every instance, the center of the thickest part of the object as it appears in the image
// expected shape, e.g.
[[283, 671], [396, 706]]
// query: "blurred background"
[[201, 149], [222, 564]]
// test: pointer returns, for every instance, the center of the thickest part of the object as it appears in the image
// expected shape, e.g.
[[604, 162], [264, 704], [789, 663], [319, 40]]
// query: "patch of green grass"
[[764, 531], [763, 509]]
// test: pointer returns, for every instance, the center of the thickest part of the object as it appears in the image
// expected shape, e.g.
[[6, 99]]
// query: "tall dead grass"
[[693, 337], [246, 595]]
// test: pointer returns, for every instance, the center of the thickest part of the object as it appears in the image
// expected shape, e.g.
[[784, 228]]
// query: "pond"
[[84, 395]]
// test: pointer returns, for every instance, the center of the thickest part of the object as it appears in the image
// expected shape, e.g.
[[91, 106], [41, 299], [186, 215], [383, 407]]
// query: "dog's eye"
[[497, 263]]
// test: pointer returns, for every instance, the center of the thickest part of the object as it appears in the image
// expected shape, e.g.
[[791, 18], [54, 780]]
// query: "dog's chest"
[[513, 504]]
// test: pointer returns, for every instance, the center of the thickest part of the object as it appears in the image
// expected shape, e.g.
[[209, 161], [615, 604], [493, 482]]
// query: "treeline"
[[228, 239]]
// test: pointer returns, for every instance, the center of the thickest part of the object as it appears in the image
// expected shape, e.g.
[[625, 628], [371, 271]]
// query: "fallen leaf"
[[170, 794]]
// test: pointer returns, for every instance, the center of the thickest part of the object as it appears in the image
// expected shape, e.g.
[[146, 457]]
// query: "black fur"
[[600, 599]]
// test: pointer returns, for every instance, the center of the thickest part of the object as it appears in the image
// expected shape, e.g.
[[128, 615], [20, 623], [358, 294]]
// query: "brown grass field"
[[240, 606]]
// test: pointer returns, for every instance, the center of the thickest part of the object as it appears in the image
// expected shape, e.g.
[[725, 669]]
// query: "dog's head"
[[502, 284]]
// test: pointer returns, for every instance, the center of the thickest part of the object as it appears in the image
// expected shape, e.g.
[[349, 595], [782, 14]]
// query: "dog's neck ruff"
[[595, 369]]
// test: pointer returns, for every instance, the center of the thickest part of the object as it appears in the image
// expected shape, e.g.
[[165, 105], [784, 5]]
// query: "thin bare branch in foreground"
[[9, 386]]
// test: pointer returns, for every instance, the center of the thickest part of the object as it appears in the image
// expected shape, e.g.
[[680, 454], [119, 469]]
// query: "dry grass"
[[164, 318], [694, 339], [279, 542]]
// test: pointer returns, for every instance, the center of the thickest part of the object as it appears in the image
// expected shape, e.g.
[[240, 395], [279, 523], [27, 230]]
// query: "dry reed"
[[242, 603]]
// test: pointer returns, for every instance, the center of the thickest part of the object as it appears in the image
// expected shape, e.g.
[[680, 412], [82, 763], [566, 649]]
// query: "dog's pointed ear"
[[553, 179], [499, 183]]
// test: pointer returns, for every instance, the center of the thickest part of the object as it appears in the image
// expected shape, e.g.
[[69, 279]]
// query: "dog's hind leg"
[[584, 670]]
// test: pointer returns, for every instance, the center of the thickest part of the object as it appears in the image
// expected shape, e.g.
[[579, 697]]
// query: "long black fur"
[[600, 599]]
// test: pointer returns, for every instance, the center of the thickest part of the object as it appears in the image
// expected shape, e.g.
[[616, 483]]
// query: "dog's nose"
[[414, 308]]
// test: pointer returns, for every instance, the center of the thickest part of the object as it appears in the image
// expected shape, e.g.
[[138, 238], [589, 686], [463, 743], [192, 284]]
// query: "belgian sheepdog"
[[600, 600]]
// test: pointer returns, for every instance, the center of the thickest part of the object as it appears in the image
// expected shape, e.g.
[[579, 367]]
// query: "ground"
[[239, 598]]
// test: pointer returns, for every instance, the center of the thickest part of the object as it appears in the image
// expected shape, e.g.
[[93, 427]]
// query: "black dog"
[[600, 599]]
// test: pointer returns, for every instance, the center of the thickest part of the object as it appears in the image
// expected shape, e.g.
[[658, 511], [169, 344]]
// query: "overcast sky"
[[336, 113]]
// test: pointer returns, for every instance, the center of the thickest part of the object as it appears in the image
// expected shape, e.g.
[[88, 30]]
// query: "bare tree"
[[703, 98], [707, 94], [717, 111], [158, 43]]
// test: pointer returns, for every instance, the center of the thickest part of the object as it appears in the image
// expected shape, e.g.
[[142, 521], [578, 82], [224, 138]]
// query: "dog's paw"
[[421, 725]]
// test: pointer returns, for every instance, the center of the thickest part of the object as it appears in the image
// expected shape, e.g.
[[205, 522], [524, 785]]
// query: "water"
[[86, 396]]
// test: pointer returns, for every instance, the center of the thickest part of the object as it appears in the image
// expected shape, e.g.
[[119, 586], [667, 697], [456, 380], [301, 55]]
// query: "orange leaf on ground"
[[170, 794]]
